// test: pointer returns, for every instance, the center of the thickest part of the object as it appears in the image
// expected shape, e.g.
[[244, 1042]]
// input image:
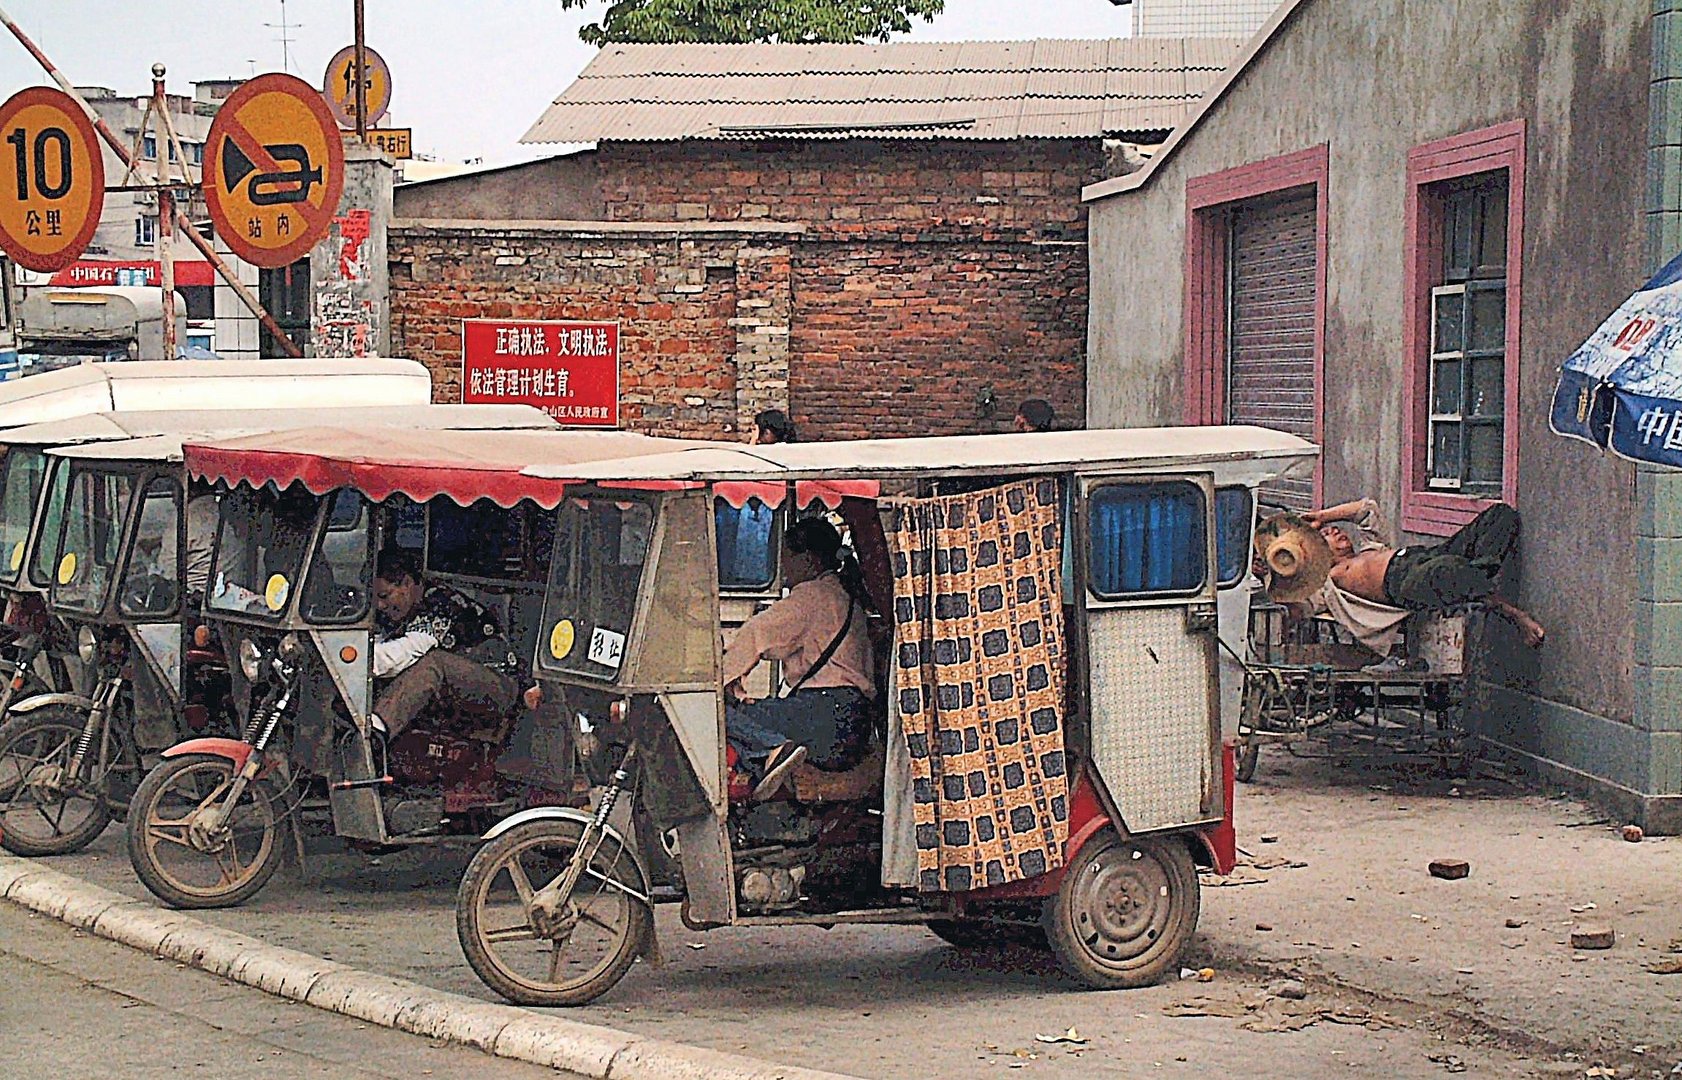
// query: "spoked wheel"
[[43, 809], [1249, 752], [192, 849], [570, 955], [1125, 911]]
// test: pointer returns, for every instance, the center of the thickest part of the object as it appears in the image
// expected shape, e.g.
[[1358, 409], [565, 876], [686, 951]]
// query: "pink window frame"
[[1209, 202], [1436, 513]]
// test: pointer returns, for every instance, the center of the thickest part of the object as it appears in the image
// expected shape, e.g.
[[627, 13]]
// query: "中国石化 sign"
[[568, 369]]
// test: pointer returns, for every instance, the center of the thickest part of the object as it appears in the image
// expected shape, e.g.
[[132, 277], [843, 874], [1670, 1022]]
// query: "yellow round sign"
[[560, 639], [276, 592], [338, 86], [67, 568], [274, 168], [52, 179], [17, 555]]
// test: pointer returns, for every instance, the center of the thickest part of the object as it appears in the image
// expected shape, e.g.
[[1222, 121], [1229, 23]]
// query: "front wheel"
[[1125, 911], [569, 956], [189, 846], [43, 809]]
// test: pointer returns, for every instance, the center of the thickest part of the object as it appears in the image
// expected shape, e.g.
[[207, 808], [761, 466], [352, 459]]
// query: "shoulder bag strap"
[[829, 650]]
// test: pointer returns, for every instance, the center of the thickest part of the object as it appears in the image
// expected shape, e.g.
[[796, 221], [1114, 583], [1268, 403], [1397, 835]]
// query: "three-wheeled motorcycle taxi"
[[1049, 758], [129, 560], [305, 518]]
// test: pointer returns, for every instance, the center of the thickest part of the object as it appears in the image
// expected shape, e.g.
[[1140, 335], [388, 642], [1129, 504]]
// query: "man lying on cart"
[[1316, 568]]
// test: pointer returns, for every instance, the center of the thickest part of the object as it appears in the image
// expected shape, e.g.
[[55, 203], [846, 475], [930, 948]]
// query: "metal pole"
[[361, 69], [166, 212], [180, 219]]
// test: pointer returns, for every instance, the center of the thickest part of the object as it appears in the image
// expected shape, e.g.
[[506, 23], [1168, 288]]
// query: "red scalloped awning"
[[806, 492], [465, 466]]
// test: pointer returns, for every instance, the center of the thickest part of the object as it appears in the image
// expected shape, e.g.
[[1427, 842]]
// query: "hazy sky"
[[469, 78]]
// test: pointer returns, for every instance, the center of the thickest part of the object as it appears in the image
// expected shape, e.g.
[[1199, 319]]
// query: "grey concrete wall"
[[350, 279], [1372, 80], [556, 189]]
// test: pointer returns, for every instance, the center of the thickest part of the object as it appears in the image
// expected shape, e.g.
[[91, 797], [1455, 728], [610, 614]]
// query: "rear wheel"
[[569, 957], [192, 849], [43, 809], [1126, 910]]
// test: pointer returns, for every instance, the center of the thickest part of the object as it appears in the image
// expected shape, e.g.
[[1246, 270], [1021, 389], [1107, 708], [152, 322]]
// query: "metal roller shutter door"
[[1270, 338]]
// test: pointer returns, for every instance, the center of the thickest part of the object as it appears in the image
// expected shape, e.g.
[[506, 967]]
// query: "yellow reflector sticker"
[[17, 555], [276, 592], [560, 639], [67, 568]]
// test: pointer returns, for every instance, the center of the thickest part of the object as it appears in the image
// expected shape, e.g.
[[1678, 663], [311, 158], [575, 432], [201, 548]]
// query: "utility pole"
[[361, 68], [166, 206]]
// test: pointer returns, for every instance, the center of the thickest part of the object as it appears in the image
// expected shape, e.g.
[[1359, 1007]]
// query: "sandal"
[[779, 768]]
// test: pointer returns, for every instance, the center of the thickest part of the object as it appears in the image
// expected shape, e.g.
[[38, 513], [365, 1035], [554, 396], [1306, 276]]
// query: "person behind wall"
[[773, 426], [436, 652], [819, 632], [1034, 414], [1369, 587]]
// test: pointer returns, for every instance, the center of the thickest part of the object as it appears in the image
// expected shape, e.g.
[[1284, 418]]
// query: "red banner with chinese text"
[[568, 369]]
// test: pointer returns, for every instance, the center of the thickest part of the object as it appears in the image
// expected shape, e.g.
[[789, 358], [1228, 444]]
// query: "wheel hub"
[[46, 782], [205, 833], [1125, 905], [554, 923]]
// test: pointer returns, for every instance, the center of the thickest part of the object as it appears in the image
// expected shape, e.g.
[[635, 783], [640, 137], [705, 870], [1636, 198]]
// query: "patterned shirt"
[[461, 625]]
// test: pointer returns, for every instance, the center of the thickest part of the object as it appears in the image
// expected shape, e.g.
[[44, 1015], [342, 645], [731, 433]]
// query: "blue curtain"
[[1148, 538], [744, 544], [1233, 514]]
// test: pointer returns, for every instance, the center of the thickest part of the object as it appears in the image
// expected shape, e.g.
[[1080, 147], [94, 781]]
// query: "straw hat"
[[1297, 556]]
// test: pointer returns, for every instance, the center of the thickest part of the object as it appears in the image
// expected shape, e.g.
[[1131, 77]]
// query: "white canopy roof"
[[1263, 453], [211, 384], [158, 436]]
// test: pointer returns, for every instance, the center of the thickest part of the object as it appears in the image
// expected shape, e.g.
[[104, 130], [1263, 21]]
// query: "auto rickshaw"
[[1050, 759], [126, 543], [303, 516]]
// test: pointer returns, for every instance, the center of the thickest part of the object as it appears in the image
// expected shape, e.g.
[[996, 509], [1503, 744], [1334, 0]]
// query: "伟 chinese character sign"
[[570, 370], [1623, 388]]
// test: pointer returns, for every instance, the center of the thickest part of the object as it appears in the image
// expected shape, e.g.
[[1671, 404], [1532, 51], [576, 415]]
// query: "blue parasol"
[[1622, 389]]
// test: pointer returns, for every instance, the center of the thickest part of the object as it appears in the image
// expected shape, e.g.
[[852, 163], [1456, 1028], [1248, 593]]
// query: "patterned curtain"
[[979, 622]]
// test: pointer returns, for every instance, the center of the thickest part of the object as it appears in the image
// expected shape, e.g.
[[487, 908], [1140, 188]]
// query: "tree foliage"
[[798, 21]]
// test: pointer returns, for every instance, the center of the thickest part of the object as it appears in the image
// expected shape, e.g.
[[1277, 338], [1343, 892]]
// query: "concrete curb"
[[506, 1031]]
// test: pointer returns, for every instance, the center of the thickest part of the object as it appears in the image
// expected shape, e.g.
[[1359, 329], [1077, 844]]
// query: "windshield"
[[92, 536], [260, 549], [20, 490], [593, 585]]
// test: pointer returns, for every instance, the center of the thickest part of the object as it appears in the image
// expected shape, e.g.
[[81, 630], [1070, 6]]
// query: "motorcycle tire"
[[62, 726], [557, 839], [148, 833]]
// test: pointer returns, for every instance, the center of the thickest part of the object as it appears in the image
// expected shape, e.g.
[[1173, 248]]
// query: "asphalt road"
[[77, 1007]]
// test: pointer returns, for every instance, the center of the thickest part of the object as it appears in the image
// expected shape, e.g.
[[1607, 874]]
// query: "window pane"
[[1483, 454], [483, 540], [1233, 516], [1148, 538], [260, 549], [341, 576], [1460, 220], [1492, 247], [1445, 451], [745, 554], [151, 582], [41, 567], [1445, 387], [1488, 318], [1488, 389], [1450, 311]]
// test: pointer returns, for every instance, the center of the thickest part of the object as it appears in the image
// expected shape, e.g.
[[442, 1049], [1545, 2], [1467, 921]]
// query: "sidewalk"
[[1348, 897]]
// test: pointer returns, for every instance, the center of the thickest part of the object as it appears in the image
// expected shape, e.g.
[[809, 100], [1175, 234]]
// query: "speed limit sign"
[[52, 179]]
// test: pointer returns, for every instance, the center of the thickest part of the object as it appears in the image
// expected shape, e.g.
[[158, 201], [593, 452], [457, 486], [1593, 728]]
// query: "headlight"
[[289, 647], [249, 659], [87, 645]]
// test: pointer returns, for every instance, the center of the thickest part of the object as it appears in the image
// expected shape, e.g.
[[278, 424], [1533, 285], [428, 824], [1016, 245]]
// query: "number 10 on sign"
[[52, 179]]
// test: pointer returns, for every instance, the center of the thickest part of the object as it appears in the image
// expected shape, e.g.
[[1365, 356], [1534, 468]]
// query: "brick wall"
[[870, 289], [674, 295]]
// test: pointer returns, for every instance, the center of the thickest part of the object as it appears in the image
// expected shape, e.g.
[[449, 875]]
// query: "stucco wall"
[[1371, 81], [564, 188]]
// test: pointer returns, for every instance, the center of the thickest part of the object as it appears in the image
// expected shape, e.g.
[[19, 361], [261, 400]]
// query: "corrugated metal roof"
[[949, 90]]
